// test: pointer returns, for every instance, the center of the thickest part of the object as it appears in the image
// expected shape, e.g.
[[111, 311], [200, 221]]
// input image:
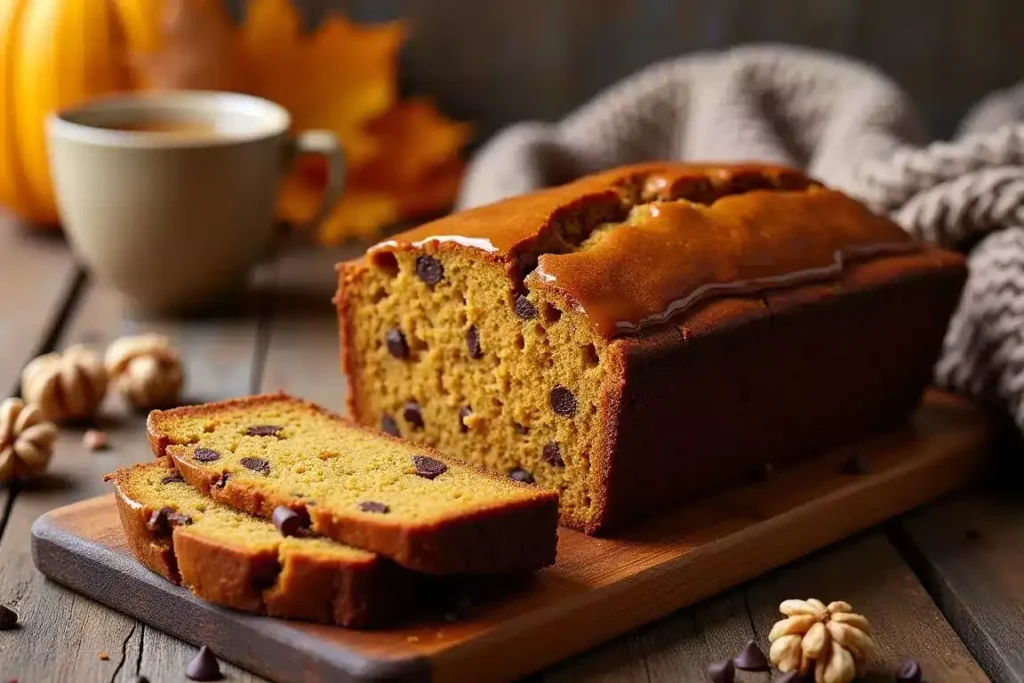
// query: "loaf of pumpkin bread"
[[240, 561], [647, 334], [407, 502]]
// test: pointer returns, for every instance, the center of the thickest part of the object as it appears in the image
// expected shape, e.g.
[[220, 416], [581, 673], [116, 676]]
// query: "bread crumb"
[[94, 440], [104, 656]]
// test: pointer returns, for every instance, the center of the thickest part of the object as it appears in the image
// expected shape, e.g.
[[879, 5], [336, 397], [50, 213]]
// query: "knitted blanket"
[[846, 124]]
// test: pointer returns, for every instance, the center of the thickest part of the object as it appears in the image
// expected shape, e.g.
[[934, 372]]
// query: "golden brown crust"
[[510, 536], [290, 583]]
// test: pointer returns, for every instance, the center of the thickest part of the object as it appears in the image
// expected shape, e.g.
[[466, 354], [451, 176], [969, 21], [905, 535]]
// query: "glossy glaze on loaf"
[[699, 321]]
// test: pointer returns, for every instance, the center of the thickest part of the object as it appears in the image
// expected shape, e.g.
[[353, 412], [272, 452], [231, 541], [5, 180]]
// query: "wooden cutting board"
[[599, 588]]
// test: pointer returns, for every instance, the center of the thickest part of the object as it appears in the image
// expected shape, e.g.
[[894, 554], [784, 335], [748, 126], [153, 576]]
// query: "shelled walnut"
[[67, 385], [830, 640]]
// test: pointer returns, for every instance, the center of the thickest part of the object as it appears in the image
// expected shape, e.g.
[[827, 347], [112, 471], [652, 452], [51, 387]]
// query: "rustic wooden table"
[[943, 585]]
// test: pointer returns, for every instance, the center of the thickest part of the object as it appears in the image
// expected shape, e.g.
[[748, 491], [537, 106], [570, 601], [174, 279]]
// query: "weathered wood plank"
[[63, 634], [867, 572], [969, 552]]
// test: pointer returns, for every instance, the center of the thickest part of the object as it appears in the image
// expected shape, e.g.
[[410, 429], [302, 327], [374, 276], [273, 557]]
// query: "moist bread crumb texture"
[[235, 559], [480, 369], [408, 502]]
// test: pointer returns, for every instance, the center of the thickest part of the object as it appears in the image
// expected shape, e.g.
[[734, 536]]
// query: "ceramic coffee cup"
[[170, 196]]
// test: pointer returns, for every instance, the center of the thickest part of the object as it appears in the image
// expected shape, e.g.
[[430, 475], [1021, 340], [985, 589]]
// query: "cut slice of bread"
[[237, 560], [410, 503]]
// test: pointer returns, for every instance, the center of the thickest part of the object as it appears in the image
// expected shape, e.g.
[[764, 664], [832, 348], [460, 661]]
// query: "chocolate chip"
[[8, 618], [972, 534], [287, 521], [524, 309], [473, 343], [429, 269], [464, 412], [520, 429], [428, 468], [222, 482], [563, 402], [909, 672], [397, 346], [722, 672], [751, 658], [389, 426], [163, 520], [374, 506], [175, 478], [203, 667], [205, 455], [764, 471], [519, 474], [139, 679], [263, 430], [255, 464], [413, 414], [855, 465], [552, 455]]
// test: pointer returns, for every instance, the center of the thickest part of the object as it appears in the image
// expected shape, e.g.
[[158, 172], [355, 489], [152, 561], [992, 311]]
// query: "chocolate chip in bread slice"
[[235, 559], [410, 503]]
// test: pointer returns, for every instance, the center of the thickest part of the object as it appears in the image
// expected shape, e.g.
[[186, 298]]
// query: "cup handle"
[[323, 143]]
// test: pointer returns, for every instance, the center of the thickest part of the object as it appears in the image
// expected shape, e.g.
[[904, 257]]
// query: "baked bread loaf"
[[424, 510], [234, 559], [647, 334]]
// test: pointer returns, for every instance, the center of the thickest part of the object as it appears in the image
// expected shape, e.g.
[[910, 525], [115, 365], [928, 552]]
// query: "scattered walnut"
[[26, 441], [68, 385], [145, 370], [829, 640]]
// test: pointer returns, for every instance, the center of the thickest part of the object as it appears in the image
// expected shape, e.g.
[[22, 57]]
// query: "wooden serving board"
[[599, 588]]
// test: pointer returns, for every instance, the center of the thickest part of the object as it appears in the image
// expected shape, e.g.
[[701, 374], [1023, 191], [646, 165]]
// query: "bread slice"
[[410, 503], [237, 560]]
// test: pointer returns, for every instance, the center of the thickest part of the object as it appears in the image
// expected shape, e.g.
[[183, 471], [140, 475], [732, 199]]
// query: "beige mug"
[[170, 195]]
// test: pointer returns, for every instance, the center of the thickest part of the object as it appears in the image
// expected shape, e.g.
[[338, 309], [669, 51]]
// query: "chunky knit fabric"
[[845, 123]]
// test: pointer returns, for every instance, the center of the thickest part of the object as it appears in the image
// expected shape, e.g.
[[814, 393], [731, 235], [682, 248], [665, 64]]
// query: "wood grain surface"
[[599, 588]]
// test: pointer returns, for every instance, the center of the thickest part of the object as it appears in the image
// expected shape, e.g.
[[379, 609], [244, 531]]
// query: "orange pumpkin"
[[53, 54]]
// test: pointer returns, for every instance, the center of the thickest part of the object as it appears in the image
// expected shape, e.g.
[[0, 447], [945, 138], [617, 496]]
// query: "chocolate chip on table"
[[751, 658], [222, 482], [520, 429], [374, 506], [287, 521], [428, 467], [175, 478], [524, 308], [204, 667], [855, 465], [519, 474], [563, 402], [163, 520], [464, 412], [429, 269], [389, 426], [722, 672], [139, 679], [205, 455], [263, 430], [473, 343], [552, 454], [909, 672], [413, 414], [255, 464], [8, 618], [397, 346]]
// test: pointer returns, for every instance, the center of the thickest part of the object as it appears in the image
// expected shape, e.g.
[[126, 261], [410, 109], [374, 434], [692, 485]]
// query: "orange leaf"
[[336, 78]]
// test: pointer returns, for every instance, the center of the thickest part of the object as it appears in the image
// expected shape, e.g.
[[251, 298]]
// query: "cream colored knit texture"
[[845, 123]]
